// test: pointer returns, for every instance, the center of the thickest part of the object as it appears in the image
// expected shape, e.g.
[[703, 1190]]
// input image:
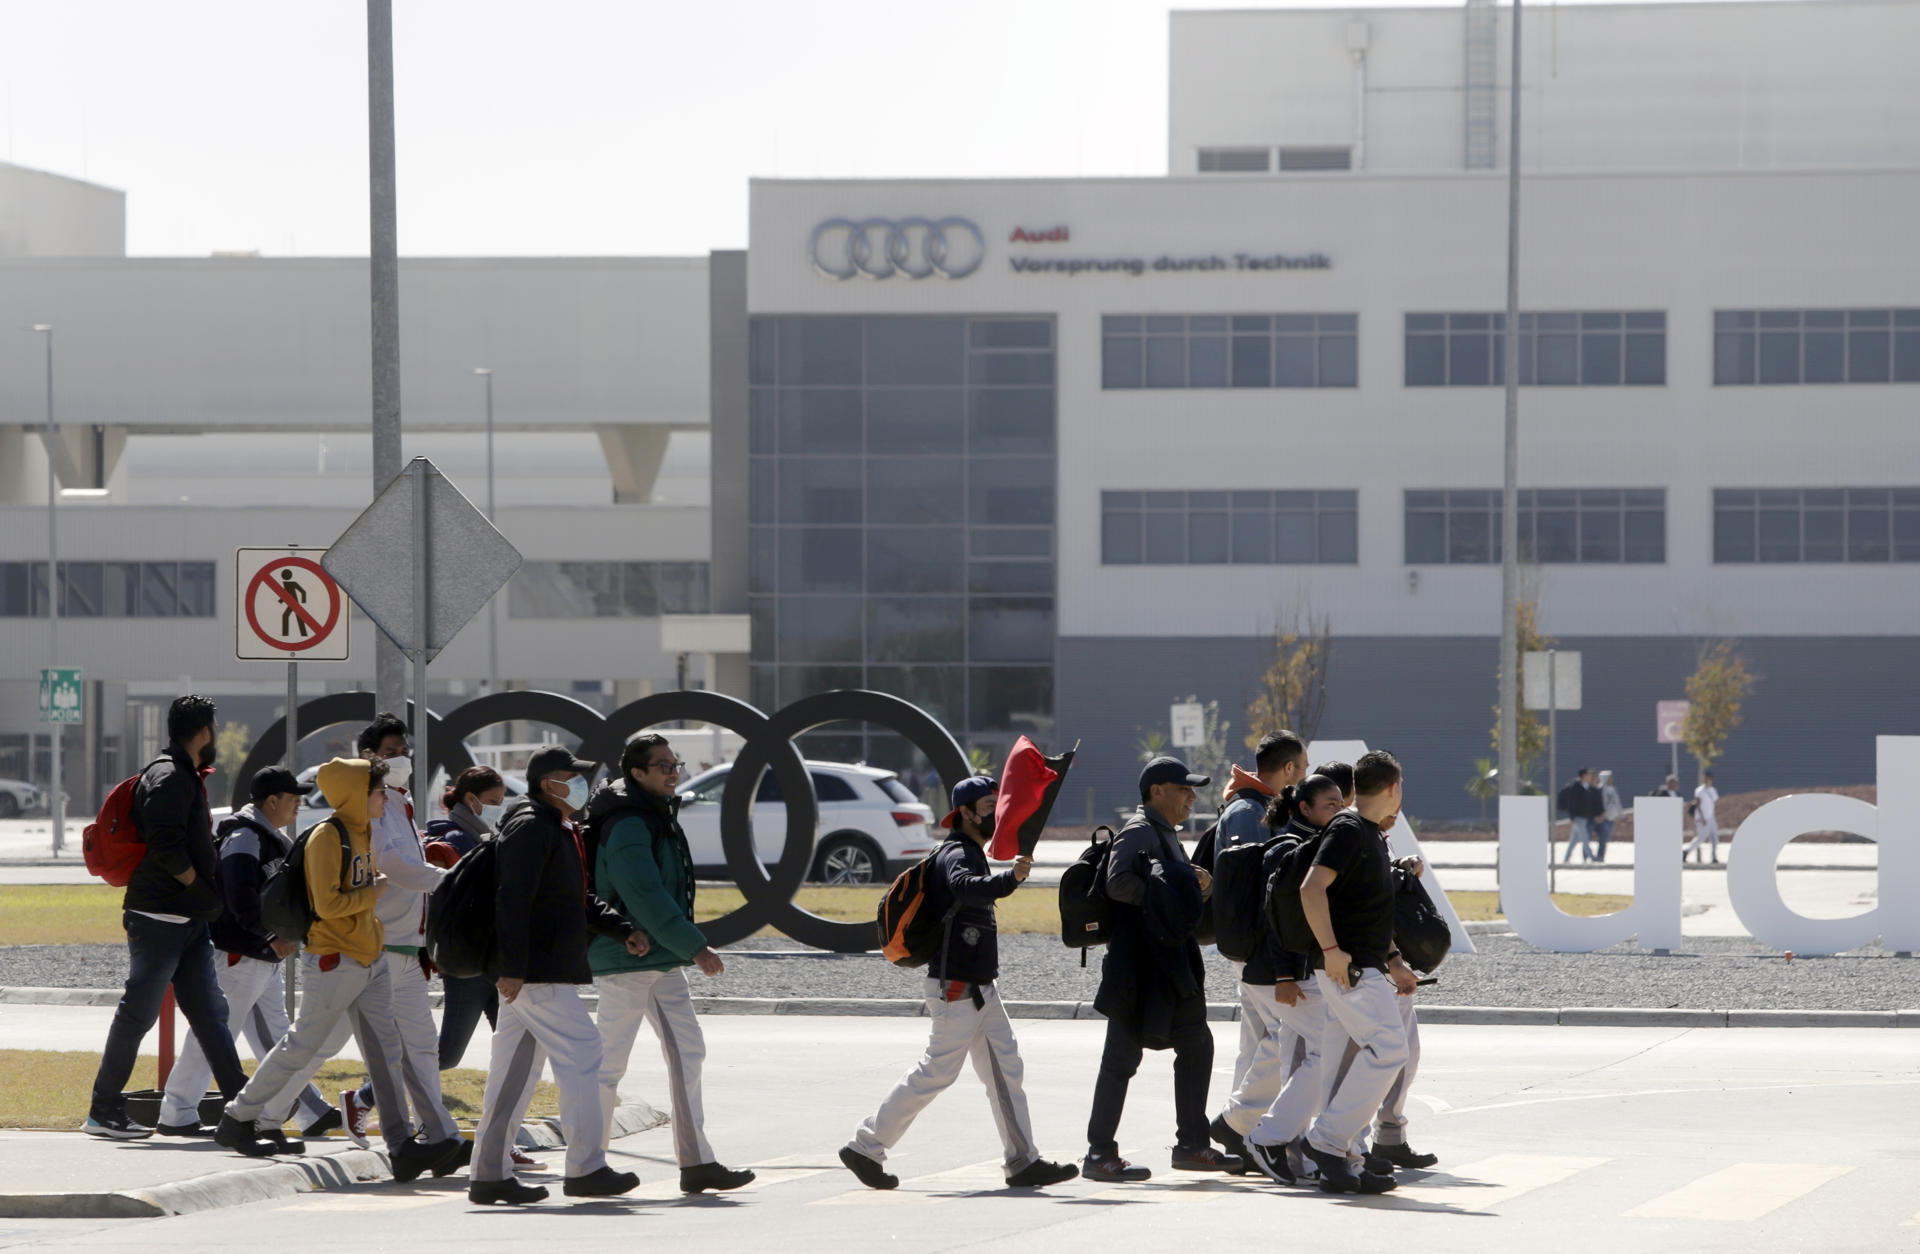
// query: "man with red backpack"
[[969, 1020], [169, 901]]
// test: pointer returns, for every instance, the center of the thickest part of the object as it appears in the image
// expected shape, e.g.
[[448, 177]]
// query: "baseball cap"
[[1170, 771], [551, 761], [271, 781], [967, 792]]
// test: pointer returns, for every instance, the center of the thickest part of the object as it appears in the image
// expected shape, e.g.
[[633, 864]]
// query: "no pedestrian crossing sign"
[[286, 608], [60, 694]]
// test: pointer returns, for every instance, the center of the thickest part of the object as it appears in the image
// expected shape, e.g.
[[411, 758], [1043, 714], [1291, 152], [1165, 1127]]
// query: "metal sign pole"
[[1553, 767], [289, 967], [422, 768]]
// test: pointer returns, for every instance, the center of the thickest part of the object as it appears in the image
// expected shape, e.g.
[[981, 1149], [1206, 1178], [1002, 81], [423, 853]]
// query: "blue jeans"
[[1577, 833], [160, 954], [1602, 833]]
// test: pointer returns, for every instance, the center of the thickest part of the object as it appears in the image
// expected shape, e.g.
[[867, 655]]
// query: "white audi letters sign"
[[1654, 916]]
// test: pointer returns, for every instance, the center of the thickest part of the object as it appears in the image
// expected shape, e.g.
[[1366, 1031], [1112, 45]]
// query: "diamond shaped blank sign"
[[468, 560]]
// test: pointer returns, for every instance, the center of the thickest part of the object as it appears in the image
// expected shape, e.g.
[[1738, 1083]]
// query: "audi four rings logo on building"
[[879, 248]]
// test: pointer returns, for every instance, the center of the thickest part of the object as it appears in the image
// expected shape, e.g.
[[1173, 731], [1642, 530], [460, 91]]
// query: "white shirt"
[[1706, 795], [398, 854]]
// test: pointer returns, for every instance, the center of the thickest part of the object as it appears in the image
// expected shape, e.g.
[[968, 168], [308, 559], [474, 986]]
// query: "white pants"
[[960, 1031], [662, 1000], [257, 1009], [1709, 831], [546, 1023], [1280, 1034], [1300, 1053], [1390, 1128], [349, 993], [1367, 1015], [420, 1038]]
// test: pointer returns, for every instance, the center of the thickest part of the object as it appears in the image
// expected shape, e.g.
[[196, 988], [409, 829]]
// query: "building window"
[[1236, 160], [1594, 526], [907, 545], [1556, 349], [1316, 158], [1250, 528], [110, 590], [607, 589], [1229, 351], [1816, 525], [1816, 346]]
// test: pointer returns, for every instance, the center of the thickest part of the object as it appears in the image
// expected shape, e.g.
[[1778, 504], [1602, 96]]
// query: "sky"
[[567, 127]]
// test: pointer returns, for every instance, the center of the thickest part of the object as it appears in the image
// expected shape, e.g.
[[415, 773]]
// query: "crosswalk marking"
[[1171, 1191], [1501, 1178], [669, 1188], [371, 1201], [925, 1190], [1742, 1192]]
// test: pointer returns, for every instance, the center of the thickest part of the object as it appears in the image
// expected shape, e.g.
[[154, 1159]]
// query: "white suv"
[[871, 826]]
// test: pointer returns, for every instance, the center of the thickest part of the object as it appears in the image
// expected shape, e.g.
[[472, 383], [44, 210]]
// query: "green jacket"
[[644, 865]]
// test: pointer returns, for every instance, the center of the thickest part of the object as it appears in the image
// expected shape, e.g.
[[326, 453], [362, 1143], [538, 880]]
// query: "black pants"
[[463, 1001], [160, 954], [1192, 1068]]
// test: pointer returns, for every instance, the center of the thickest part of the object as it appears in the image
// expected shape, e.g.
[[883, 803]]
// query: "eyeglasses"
[[673, 767]]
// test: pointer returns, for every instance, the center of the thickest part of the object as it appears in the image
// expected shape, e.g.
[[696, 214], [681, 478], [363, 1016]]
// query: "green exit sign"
[[60, 695]]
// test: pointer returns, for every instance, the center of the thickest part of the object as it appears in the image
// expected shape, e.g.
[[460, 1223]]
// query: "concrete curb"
[[283, 1177]]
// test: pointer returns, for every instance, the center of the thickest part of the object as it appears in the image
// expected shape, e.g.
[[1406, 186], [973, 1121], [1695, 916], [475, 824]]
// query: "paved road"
[[1567, 1138]]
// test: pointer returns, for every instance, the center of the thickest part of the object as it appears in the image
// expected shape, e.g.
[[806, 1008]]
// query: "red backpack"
[[112, 843]]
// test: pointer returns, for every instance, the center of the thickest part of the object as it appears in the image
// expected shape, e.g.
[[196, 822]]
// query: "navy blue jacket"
[[970, 949], [247, 846]]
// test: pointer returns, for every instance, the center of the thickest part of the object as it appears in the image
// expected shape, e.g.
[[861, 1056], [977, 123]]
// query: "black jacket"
[[170, 807], [1581, 801], [971, 942], [543, 913], [1153, 978], [247, 846]]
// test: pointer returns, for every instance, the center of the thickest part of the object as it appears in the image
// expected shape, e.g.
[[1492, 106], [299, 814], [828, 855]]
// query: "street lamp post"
[[56, 802], [493, 618], [1509, 501]]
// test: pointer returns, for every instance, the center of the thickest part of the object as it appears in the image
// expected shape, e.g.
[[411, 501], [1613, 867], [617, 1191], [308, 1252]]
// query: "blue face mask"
[[577, 792]]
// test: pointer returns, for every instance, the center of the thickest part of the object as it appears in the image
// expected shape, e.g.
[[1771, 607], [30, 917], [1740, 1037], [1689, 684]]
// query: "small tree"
[[1484, 785], [1718, 687], [1151, 745], [1292, 692], [1532, 732], [230, 748]]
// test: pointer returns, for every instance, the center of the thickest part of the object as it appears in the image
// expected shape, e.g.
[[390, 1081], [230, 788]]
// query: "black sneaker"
[[1336, 1173], [504, 1192], [192, 1129], [281, 1145], [462, 1155], [1405, 1156], [332, 1121], [1231, 1141], [116, 1128], [1112, 1169], [1375, 1165], [605, 1182], [1271, 1162], [1207, 1158], [242, 1137], [869, 1172], [1040, 1173], [415, 1157], [700, 1178]]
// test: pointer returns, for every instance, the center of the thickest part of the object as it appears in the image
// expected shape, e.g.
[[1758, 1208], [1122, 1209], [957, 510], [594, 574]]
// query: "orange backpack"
[[910, 935]]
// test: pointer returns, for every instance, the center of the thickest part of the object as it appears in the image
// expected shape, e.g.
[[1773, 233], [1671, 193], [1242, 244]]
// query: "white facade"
[[49, 215]]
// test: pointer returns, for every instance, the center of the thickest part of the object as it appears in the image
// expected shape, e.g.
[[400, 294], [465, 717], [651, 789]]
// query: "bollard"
[[166, 1038]]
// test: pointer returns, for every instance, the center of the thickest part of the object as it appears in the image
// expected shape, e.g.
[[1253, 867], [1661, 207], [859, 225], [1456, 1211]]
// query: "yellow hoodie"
[[346, 923]]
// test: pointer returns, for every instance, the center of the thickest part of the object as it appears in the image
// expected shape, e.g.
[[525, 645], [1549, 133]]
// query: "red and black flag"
[[1028, 786]]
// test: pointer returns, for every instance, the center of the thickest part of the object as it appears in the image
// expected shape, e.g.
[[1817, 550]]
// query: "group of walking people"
[[1592, 805]]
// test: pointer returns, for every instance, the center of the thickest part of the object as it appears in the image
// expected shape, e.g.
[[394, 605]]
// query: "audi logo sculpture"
[[767, 745], [879, 248]]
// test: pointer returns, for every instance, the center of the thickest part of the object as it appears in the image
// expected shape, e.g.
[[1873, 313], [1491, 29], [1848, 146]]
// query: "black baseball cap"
[[271, 781], [551, 761], [968, 791], [1170, 771]]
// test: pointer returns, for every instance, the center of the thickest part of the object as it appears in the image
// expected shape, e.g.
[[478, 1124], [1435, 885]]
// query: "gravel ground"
[[1709, 973]]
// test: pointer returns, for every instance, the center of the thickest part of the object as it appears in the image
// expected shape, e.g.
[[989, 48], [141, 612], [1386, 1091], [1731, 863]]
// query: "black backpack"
[[1238, 906], [286, 908], [460, 936], [1284, 912], [1205, 853], [1420, 932], [1086, 915]]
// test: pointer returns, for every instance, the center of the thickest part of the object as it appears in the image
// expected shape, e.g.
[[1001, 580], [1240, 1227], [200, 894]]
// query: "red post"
[[166, 1038]]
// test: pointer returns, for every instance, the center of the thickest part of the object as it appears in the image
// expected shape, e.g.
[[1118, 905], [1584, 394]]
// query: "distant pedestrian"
[[248, 965], [969, 1020], [1580, 802], [1153, 981], [474, 803], [1706, 803], [1610, 812], [171, 898]]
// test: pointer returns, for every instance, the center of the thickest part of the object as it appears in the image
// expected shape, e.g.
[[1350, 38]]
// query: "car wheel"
[[848, 860], [9, 807]]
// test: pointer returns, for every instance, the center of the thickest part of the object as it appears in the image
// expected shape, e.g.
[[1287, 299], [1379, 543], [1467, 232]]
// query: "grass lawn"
[[49, 1089], [60, 914]]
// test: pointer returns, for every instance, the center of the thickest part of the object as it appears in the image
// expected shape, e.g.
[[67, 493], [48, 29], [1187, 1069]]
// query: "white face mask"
[[399, 771], [577, 793], [490, 815]]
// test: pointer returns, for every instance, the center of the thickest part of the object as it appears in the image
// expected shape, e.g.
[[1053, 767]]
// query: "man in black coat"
[[1152, 982], [168, 904], [543, 915]]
